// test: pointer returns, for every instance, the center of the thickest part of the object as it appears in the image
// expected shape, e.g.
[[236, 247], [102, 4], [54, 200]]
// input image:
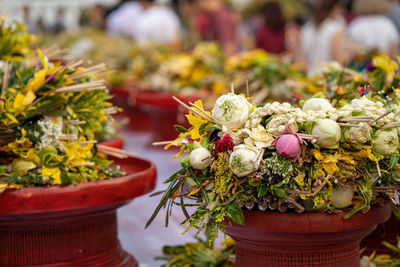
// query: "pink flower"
[[288, 145]]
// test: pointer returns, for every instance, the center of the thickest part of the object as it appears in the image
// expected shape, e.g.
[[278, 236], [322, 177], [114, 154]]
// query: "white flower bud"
[[231, 111], [243, 161], [200, 158], [317, 104]]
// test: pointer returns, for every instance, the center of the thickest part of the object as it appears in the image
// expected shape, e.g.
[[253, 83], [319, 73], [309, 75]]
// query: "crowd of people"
[[349, 32]]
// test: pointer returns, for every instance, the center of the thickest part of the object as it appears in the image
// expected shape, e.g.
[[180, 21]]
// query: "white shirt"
[[157, 24], [317, 42], [122, 21], [375, 32]]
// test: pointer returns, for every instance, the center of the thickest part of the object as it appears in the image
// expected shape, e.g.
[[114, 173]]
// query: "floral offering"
[[50, 113], [320, 156]]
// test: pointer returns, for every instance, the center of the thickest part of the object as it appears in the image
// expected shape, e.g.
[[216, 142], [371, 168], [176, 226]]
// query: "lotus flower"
[[231, 110], [200, 158], [328, 132], [385, 142], [288, 145], [317, 104], [243, 161]]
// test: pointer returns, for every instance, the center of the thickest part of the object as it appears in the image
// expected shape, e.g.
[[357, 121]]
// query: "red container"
[[116, 143], [165, 112], [72, 225], [273, 239], [388, 231]]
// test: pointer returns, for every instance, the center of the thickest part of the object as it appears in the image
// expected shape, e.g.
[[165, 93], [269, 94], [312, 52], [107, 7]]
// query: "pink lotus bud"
[[288, 145]]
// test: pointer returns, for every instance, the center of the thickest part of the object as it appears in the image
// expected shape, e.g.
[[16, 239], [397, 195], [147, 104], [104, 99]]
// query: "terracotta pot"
[[165, 112], [388, 231], [115, 143], [72, 225], [310, 239]]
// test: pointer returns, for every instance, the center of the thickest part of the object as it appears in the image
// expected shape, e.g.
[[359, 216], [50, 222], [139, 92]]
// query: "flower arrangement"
[[200, 253], [50, 113], [317, 157], [15, 41], [266, 75], [340, 83]]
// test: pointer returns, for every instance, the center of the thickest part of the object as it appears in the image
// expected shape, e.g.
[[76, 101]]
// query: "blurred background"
[[196, 49]]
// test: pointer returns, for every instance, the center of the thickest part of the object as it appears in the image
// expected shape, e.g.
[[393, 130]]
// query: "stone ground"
[[147, 244]]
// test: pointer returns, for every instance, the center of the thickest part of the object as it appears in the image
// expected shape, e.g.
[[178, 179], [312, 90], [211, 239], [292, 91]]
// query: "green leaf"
[[279, 192], [394, 159], [235, 213], [262, 190], [163, 201], [204, 127], [180, 129]]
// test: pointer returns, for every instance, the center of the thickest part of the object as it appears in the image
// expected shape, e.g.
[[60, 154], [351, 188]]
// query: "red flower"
[[224, 144]]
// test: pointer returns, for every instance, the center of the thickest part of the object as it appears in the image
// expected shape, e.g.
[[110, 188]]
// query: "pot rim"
[[61, 198], [317, 222]]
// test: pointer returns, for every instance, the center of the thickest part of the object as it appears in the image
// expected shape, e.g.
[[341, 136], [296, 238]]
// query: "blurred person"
[[97, 17], [272, 35], [217, 23], [27, 19], [394, 13], [372, 30], [156, 24], [324, 39], [122, 19], [58, 26], [40, 26]]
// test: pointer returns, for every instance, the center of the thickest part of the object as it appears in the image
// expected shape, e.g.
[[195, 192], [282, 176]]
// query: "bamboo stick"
[[163, 143], [110, 111], [67, 137], [380, 117], [190, 109], [201, 110], [6, 77], [391, 125], [85, 164], [297, 205], [348, 124], [74, 122]]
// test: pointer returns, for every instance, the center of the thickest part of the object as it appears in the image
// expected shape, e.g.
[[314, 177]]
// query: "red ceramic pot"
[[388, 231], [115, 143], [165, 112], [139, 120], [273, 239], [72, 225]]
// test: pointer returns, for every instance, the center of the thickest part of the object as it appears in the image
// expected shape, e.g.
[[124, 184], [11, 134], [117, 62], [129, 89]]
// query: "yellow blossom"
[[54, 173], [329, 161], [3, 187], [366, 152], [388, 66], [23, 100]]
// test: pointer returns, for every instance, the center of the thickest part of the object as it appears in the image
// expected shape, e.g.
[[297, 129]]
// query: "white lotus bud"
[[328, 132], [386, 142], [317, 104], [200, 158], [342, 196], [243, 161], [231, 111]]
